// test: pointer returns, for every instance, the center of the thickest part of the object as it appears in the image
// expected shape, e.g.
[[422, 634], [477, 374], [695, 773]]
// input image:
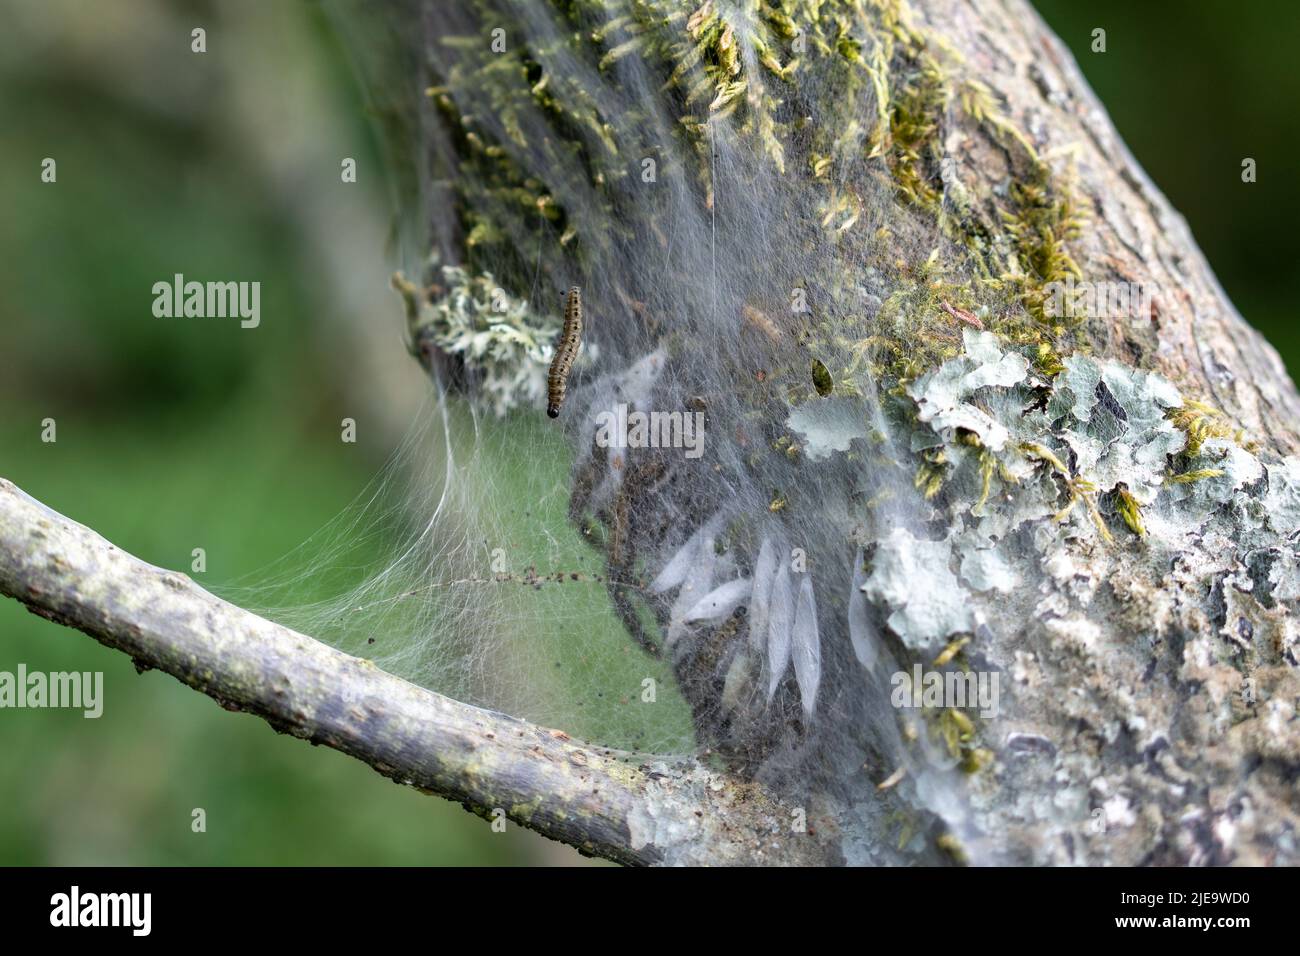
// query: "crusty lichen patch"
[[1190, 597], [1118, 549]]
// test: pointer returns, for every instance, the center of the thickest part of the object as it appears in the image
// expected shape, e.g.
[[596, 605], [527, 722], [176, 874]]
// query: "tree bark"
[[1153, 660], [1166, 676], [1195, 336], [1155, 678]]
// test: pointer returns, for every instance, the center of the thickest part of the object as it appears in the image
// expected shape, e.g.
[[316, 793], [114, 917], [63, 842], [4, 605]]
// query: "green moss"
[[858, 46], [1127, 507], [1201, 422], [915, 148], [821, 378], [1189, 477], [932, 472], [991, 262], [1080, 489], [1041, 221], [951, 845]]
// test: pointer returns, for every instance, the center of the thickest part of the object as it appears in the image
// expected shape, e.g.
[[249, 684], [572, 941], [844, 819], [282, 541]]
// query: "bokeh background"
[[174, 434]]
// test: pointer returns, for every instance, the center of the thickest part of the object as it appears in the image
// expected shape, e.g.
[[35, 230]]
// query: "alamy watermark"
[[75, 908], [75, 690], [1098, 300], [208, 300], [631, 429], [941, 689]]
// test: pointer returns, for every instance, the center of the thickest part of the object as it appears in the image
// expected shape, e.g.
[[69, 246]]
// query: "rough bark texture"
[[1160, 676], [1195, 335], [1138, 484], [1153, 679], [628, 808]]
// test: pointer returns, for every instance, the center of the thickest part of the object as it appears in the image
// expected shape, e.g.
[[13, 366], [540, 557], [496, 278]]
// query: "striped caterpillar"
[[570, 341]]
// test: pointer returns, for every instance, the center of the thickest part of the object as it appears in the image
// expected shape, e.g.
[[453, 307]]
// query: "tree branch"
[[621, 806]]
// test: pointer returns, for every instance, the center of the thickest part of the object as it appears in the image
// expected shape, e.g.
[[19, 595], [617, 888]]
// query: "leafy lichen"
[[500, 341]]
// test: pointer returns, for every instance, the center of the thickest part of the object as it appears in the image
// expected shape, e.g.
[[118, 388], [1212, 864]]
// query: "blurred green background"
[[173, 435]]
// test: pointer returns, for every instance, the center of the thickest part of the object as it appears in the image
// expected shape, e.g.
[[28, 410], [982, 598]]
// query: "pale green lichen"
[[1101, 442], [912, 577], [827, 426], [940, 395], [501, 342], [987, 570]]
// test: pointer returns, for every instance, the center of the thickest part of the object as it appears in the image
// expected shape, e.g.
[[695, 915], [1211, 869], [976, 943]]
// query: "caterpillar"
[[570, 341]]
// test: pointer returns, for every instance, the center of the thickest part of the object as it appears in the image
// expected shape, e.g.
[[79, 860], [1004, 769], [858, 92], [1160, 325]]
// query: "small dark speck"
[[370, 640], [1245, 629]]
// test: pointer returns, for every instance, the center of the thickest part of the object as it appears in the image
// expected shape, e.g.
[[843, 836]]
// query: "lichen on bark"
[[1101, 508]]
